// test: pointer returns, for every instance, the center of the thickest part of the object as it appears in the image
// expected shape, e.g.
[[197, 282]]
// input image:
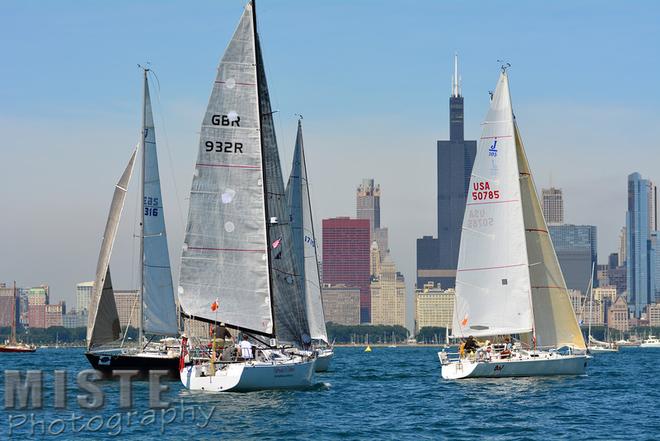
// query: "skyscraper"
[[368, 203], [577, 252], [83, 296], [553, 206], [437, 258], [346, 246], [640, 248]]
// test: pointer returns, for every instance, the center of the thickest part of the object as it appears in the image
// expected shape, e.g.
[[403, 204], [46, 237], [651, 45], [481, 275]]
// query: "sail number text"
[[231, 120], [482, 191], [224, 147], [477, 218], [150, 206]]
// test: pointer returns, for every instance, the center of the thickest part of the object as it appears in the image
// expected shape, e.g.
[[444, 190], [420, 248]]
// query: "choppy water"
[[390, 393]]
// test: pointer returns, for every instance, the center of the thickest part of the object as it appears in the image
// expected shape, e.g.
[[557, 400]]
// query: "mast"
[[13, 317], [141, 272], [263, 162], [591, 303]]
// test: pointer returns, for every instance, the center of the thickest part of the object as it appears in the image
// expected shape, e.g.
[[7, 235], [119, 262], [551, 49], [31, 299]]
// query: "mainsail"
[[225, 252], [555, 324], [304, 240], [103, 321], [492, 281], [159, 310]]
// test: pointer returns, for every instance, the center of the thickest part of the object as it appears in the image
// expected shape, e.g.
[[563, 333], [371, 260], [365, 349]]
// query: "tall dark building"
[[437, 258]]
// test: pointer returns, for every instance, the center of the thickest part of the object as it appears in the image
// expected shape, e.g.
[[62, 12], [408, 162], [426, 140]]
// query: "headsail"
[[103, 321], [492, 280], [225, 247], [555, 324], [304, 240], [288, 292], [159, 313]]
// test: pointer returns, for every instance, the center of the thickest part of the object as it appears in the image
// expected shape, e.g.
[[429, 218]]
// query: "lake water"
[[390, 393]]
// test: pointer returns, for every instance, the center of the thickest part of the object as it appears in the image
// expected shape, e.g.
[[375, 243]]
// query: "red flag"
[[464, 321], [214, 305], [182, 357], [277, 243]]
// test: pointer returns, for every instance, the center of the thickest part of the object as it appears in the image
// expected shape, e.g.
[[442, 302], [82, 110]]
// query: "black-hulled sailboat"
[[157, 347]]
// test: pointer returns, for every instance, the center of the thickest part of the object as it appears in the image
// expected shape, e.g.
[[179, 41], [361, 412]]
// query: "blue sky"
[[372, 79]]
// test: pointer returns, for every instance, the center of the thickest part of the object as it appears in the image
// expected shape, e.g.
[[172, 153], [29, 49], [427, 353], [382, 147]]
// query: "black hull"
[[106, 363]]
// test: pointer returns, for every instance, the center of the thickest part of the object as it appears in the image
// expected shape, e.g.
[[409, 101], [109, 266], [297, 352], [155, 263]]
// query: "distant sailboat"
[[12, 345], [508, 280], [596, 346], [157, 310], [304, 242], [238, 250]]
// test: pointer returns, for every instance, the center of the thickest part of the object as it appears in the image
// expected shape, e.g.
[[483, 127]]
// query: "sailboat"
[[596, 346], [157, 311], [238, 252], [11, 345], [304, 241], [508, 282]]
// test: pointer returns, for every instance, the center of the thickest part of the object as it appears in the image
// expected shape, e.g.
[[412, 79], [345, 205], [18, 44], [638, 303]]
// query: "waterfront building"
[[74, 319], [553, 206], [576, 249], [618, 277], [623, 237], [388, 295], [577, 301], [38, 295], [127, 307], [653, 314], [37, 316], [346, 257], [592, 313], [341, 304], [618, 315], [83, 296], [6, 308], [605, 293], [640, 246], [437, 258], [433, 307], [367, 203], [53, 314]]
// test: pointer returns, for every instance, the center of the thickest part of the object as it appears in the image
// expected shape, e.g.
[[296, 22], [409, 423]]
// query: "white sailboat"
[[650, 342], [238, 250], [596, 346], [508, 281], [304, 241], [157, 310]]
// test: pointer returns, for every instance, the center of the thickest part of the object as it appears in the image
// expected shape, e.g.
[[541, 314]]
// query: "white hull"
[[602, 350], [650, 345], [544, 365], [249, 376], [322, 363]]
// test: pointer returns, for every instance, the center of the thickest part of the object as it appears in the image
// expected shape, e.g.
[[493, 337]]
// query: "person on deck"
[[246, 348], [471, 344]]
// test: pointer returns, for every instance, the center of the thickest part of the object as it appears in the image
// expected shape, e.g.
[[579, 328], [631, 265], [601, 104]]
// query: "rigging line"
[[161, 116]]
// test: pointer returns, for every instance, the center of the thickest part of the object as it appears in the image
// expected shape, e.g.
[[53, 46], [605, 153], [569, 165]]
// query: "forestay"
[[492, 280], [103, 321], [304, 239], [159, 311], [225, 247], [555, 324]]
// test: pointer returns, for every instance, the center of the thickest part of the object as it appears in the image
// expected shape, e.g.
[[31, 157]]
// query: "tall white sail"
[[103, 321], [225, 253], [555, 324], [492, 281], [159, 309], [288, 291], [304, 239]]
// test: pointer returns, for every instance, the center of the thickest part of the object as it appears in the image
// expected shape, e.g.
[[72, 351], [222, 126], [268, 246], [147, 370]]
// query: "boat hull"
[[249, 376], [527, 367], [112, 361], [14, 349], [322, 363], [650, 345], [595, 350]]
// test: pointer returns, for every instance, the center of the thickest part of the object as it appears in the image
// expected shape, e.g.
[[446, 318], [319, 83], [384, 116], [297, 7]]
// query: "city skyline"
[[571, 77]]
